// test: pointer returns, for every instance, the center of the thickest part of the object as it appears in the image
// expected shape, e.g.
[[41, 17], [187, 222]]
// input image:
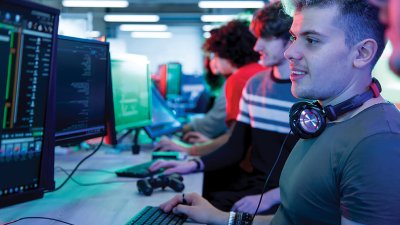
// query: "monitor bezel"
[[46, 169], [77, 139]]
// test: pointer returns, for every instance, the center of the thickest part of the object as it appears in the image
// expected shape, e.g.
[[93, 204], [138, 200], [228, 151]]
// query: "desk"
[[105, 204]]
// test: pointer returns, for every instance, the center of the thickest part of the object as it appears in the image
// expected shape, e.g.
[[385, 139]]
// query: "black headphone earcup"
[[307, 120]]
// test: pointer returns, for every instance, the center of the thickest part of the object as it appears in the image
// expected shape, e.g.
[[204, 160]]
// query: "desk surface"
[[114, 203]]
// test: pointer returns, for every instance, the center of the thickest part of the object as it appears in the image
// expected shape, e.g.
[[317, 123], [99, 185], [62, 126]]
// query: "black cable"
[[36, 217], [77, 166], [269, 175], [86, 170], [97, 183]]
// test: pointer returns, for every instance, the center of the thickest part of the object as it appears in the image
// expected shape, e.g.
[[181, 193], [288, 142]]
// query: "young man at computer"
[[262, 127], [232, 49], [348, 173]]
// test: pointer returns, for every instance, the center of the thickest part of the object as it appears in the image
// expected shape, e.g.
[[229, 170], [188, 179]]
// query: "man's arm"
[[232, 151], [213, 145]]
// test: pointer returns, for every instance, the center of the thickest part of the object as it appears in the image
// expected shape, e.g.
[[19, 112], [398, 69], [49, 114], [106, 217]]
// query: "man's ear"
[[365, 52]]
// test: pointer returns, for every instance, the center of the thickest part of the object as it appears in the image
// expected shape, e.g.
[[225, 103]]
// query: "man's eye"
[[312, 40], [292, 38]]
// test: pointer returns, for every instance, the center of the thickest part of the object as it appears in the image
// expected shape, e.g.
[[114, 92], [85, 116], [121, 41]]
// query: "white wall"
[[184, 47]]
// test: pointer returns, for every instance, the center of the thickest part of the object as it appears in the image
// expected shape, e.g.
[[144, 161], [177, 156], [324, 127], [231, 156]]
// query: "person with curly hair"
[[232, 49]]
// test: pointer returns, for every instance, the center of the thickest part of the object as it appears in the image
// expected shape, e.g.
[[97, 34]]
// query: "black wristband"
[[198, 164]]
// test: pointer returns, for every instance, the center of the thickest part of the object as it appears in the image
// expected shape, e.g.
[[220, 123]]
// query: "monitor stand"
[[135, 143], [136, 146]]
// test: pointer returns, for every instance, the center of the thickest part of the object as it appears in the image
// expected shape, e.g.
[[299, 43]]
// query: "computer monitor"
[[170, 80], [131, 95], [82, 74], [164, 120], [27, 51]]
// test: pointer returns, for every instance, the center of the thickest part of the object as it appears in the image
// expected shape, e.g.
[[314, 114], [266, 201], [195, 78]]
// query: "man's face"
[[223, 66], [319, 58], [390, 15], [271, 50]]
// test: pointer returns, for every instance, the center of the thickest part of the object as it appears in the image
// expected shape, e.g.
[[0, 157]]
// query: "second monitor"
[[129, 94], [81, 89]]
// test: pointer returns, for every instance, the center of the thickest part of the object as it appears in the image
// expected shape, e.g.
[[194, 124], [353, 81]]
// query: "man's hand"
[[249, 203], [193, 137], [166, 144], [196, 208], [173, 166]]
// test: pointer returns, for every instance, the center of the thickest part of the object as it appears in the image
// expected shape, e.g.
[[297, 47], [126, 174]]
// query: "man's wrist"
[[199, 166]]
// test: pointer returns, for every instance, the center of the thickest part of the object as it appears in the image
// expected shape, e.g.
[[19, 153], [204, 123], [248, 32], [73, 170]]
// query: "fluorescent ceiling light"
[[206, 35], [131, 18], [224, 18], [97, 4], [151, 34], [209, 27], [231, 4], [143, 27]]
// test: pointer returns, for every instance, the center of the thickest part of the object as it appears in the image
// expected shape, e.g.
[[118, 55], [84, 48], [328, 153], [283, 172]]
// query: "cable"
[[85, 170], [97, 183], [77, 166], [269, 175], [36, 217]]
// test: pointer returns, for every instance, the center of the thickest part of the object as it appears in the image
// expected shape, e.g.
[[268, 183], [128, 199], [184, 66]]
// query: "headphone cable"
[[269, 175]]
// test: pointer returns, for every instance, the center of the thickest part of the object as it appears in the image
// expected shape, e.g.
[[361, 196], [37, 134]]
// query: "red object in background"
[[163, 80]]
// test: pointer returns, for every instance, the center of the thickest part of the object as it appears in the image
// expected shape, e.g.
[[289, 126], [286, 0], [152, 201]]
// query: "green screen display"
[[174, 76], [131, 93]]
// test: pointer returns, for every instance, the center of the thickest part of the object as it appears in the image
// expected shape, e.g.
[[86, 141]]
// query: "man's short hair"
[[233, 42], [358, 19], [271, 21]]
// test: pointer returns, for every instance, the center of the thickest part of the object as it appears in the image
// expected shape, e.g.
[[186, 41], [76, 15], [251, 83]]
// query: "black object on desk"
[[138, 171], [155, 216], [174, 181]]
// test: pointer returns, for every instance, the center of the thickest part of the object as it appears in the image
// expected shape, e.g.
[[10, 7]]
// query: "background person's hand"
[[193, 137], [166, 144], [174, 166], [197, 208]]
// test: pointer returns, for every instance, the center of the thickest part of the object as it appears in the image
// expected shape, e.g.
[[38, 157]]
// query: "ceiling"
[[171, 12]]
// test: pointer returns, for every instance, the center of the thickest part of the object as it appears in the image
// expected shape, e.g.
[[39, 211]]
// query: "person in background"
[[213, 123], [232, 49], [346, 173], [261, 129], [390, 16]]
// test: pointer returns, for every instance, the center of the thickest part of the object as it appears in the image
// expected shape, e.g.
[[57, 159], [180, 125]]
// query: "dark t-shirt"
[[352, 170]]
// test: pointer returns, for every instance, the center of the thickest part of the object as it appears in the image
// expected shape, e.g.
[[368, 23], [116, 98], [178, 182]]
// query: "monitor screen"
[[174, 77], [82, 71], [170, 80], [131, 91], [27, 52], [164, 120]]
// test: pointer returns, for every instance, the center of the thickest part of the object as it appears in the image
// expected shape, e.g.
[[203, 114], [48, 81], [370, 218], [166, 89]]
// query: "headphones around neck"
[[308, 119]]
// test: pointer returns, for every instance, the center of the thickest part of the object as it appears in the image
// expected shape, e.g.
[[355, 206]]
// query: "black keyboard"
[[154, 216], [138, 171]]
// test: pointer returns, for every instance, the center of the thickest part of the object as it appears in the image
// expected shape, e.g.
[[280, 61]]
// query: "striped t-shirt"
[[266, 102]]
